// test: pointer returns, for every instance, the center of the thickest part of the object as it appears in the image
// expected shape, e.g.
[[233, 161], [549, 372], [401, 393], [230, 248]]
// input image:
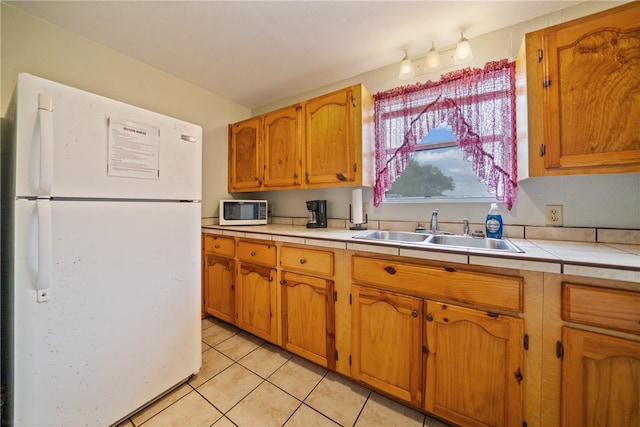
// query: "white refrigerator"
[[100, 257]]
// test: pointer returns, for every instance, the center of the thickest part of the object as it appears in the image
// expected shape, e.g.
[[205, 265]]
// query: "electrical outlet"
[[553, 215]]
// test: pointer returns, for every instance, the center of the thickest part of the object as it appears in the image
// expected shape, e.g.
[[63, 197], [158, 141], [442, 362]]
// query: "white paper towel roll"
[[356, 206]]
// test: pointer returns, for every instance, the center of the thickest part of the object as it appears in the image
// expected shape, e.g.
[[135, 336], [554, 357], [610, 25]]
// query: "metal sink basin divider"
[[443, 240]]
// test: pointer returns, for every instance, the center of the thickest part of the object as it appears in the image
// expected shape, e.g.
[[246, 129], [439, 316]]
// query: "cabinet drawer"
[[607, 308], [307, 260], [257, 253], [487, 290], [219, 245]]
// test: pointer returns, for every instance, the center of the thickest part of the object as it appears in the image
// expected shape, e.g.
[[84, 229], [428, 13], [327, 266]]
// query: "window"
[[478, 107], [437, 170]]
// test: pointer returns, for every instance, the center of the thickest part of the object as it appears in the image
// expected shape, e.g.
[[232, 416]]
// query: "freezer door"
[[71, 143], [120, 322]]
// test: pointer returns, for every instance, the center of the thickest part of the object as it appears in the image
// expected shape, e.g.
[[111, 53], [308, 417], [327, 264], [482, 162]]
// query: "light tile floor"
[[245, 381]]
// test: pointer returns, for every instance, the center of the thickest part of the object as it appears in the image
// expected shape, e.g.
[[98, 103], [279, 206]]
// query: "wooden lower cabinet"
[[474, 366], [600, 380], [219, 294], [387, 342], [308, 319], [256, 300]]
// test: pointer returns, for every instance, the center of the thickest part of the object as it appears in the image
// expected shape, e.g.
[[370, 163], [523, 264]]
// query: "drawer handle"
[[389, 269], [253, 253], [450, 269], [302, 261]]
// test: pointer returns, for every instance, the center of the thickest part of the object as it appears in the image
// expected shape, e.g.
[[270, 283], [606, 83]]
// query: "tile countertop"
[[606, 261]]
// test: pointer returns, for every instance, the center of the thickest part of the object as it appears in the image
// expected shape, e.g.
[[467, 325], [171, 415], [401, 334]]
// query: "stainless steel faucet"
[[465, 227], [434, 222]]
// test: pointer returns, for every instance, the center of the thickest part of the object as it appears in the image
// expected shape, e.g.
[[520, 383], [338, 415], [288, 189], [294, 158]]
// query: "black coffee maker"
[[317, 214]]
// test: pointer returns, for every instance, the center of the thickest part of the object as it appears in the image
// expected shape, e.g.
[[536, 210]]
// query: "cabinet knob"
[[389, 269], [414, 313], [429, 318], [302, 261], [295, 175], [518, 375], [216, 246], [253, 253]]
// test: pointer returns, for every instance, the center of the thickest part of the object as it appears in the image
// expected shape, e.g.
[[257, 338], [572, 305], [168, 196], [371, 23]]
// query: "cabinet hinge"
[[335, 355], [349, 360], [355, 167], [350, 299], [559, 350], [526, 342], [546, 83], [335, 296], [353, 101], [540, 55], [543, 150]]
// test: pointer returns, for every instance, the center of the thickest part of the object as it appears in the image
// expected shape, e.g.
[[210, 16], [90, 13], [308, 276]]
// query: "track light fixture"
[[432, 62]]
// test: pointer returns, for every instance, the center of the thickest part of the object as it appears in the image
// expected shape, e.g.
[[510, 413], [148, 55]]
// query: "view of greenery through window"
[[437, 171]]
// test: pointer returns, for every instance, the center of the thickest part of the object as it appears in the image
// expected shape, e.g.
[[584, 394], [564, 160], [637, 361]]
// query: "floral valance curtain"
[[478, 104]]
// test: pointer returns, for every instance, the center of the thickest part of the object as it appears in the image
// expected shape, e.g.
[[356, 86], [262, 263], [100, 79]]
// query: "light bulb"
[[463, 52], [433, 58], [407, 70]]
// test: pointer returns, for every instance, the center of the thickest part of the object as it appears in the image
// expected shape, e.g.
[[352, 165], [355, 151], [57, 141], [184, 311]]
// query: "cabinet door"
[[245, 162], [387, 342], [256, 300], [283, 147], [330, 139], [308, 326], [600, 380], [592, 97], [474, 366], [219, 292]]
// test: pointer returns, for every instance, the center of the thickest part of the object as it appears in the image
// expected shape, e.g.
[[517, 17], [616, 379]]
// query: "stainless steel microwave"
[[243, 212]]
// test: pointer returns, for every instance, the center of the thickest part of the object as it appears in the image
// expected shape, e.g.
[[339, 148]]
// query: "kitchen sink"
[[473, 243], [395, 236], [442, 240]]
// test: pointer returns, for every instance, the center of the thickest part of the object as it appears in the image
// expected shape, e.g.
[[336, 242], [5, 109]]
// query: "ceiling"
[[257, 52]]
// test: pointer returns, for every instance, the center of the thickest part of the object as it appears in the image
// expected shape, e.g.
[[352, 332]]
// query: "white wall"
[[34, 46], [589, 201]]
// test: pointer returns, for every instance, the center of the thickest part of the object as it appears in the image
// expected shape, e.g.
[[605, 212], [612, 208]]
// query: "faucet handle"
[[465, 227]]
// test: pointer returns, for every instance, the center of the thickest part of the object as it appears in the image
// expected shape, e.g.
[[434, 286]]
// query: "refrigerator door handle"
[[45, 116], [43, 281]]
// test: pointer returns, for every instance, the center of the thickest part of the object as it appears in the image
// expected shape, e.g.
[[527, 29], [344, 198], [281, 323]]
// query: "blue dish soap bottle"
[[494, 222]]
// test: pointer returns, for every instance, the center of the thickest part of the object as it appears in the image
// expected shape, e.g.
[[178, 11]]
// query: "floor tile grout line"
[[362, 408]]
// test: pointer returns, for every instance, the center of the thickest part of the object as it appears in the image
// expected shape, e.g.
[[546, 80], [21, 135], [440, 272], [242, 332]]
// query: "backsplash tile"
[[561, 233], [630, 237]]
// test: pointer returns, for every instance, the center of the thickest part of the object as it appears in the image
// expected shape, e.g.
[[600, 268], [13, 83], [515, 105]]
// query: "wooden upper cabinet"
[[245, 161], [330, 139], [326, 141], [582, 86], [283, 147]]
